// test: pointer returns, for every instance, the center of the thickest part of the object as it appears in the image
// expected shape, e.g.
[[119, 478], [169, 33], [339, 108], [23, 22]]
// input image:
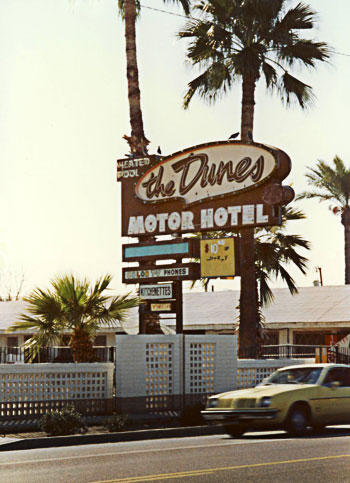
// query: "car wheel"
[[297, 421], [234, 430]]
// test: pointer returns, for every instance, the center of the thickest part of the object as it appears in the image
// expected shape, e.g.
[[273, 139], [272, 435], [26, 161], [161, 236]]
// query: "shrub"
[[64, 421], [116, 422]]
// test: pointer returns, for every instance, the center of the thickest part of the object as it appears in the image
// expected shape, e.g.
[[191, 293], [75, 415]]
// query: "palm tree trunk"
[[82, 345], [249, 318], [345, 219], [137, 141], [248, 103]]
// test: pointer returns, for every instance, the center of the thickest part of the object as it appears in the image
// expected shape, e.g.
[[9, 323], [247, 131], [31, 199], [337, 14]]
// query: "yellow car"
[[292, 398]]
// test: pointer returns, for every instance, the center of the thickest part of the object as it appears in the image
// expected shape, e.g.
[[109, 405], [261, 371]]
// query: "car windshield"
[[304, 375]]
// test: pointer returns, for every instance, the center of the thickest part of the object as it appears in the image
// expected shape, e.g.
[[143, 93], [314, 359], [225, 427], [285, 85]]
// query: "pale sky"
[[63, 112]]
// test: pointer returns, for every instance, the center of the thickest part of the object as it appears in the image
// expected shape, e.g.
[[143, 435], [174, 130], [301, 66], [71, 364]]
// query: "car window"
[[304, 375], [338, 374]]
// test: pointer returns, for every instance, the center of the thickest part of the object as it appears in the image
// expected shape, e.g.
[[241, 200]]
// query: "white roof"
[[218, 310]]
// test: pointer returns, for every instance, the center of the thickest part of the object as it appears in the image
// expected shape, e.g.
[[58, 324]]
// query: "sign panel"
[[161, 250], [153, 273], [218, 257], [161, 291], [214, 186], [161, 307], [207, 172]]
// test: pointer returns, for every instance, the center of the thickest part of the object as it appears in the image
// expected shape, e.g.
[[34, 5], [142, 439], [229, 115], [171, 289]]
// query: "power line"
[[165, 11], [190, 16], [339, 53]]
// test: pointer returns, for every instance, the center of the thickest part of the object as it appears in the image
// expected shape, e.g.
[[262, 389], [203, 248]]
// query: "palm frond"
[[253, 35], [291, 88], [305, 51], [72, 305], [270, 75], [185, 4], [266, 295], [210, 84], [329, 182]]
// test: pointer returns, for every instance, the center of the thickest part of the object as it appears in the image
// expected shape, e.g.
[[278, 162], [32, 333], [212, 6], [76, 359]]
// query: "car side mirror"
[[334, 384]]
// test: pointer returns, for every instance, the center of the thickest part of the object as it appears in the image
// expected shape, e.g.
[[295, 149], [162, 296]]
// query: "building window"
[[271, 337], [308, 338], [12, 342], [66, 340], [100, 341]]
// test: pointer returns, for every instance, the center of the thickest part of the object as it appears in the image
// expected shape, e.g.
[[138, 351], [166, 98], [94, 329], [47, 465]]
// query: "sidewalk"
[[14, 444]]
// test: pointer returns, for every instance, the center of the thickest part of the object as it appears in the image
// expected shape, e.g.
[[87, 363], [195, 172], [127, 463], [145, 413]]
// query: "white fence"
[[29, 390], [252, 372], [156, 373]]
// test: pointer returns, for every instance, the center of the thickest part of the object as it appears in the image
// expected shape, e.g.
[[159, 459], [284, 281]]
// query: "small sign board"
[[155, 273], [162, 307], [218, 257], [164, 250], [156, 292]]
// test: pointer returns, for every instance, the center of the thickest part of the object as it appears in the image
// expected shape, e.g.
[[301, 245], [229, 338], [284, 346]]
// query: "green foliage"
[[275, 249], [252, 39], [116, 422], [329, 183], [75, 306], [61, 422]]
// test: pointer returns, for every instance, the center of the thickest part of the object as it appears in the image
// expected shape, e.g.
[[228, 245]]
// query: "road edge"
[[125, 436]]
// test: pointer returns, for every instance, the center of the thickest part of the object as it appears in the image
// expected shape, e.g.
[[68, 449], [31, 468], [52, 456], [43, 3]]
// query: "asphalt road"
[[264, 457]]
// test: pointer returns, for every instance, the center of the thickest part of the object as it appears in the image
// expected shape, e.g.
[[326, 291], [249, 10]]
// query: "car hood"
[[261, 391]]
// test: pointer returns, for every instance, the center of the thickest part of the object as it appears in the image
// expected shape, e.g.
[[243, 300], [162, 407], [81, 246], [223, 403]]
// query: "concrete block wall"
[[251, 372], [146, 361], [173, 365], [53, 382], [210, 363]]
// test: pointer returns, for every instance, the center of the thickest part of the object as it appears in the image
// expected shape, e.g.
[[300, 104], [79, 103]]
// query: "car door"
[[333, 405], [343, 395]]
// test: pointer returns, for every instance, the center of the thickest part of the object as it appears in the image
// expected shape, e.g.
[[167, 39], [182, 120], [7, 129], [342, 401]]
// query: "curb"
[[76, 440]]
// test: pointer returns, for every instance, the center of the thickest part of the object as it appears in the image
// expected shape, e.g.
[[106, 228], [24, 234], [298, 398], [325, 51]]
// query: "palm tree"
[[72, 305], [129, 10], [138, 142], [275, 250], [332, 183], [246, 40]]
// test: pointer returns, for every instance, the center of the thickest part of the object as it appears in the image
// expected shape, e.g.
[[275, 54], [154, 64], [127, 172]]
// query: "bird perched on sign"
[[234, 135], [159, 151]]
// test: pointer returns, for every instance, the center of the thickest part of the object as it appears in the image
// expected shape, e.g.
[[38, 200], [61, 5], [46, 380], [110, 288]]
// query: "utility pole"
[[319, 270]]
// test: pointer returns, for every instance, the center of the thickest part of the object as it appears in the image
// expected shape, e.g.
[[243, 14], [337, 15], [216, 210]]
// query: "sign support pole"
[[142, 322], [179, 307]]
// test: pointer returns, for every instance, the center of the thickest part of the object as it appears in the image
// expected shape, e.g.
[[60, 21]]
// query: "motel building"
[[315, 316]]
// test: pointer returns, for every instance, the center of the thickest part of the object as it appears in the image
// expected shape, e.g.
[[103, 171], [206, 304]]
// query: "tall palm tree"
[[137, 141], [129, 10], [72, 305], [332, 183], [246, 40]]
